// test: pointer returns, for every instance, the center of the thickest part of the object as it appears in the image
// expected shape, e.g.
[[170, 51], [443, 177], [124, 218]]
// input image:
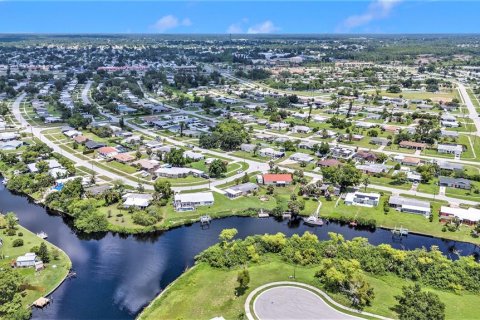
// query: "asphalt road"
[[291, 303]]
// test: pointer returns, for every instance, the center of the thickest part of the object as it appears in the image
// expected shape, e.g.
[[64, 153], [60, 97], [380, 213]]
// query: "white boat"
[[313, 220], [42, 235]]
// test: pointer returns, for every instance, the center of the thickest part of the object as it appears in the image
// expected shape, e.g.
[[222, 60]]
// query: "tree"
[[163, 188], [226, 235], [217, 168], [245, 178], [323, 148], [415, 304], [243, 279], [175, 158], [400, 178], [347, 176], [346, 276], [10, 296], [11, 219], [43, 253], [394, 89], [366, 182]]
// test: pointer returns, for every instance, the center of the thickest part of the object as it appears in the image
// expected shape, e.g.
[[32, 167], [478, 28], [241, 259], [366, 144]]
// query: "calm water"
[[117, 276]]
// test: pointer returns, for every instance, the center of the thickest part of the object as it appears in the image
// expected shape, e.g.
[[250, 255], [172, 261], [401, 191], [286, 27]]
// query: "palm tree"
[[366, 182]]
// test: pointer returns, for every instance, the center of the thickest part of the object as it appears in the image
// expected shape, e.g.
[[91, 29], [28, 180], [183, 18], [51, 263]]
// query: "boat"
[[205, 219], [313, 221], [400, 232], [42, 235], [4, 181], [262, 214]]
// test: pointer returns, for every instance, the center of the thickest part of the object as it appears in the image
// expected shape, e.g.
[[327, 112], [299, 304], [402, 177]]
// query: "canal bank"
[[117, 275]]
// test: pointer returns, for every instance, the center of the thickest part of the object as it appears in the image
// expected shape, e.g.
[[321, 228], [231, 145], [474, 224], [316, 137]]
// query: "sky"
[[253, 17]]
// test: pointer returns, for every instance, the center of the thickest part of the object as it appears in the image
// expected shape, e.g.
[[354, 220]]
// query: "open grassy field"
[[413, 222], [205, 292], [39, 283], [444, 96]]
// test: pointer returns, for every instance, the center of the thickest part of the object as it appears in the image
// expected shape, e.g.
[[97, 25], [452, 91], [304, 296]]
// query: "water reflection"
[[118, 274]]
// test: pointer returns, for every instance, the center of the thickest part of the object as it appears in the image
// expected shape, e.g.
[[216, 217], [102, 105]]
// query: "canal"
[[118, 275]]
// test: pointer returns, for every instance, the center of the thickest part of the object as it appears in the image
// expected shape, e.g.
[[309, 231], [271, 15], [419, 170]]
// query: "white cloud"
[[169, 22], [377, 9], [234, 28], [264, 27]]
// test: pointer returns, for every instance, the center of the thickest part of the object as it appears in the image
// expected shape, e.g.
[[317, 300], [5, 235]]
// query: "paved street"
[[254, 166], [471, 108], [295, 303]]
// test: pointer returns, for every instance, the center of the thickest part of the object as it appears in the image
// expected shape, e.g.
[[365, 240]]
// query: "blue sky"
[[360, 16]]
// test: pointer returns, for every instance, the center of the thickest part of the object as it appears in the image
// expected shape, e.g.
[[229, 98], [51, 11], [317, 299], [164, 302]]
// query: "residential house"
[[124, 157], [362, 199], [138, 200], [107, 152], [190, 201], [92, 145], [450, 166], [459, 183], [373, 168], [195, 156], [301, 129], [413, 145], [176, 172], [410, 161], [271, 153], [366, 156], [278, 126], [8, 136], [97, 190], [52, 164], [80, 139], [147, 164], [328, 163], [277, 179], [27, 260], [248, 147], [10, 145], [469, 216], [301, 157], [455, 149], [380, 141], [342, 153], [241, 190], [307, 145], [409, 205]]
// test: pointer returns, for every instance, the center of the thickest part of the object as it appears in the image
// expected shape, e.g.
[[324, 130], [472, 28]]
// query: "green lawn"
[[462, 194], [204, 292], [122, 167], [413, 222], [39, 283]]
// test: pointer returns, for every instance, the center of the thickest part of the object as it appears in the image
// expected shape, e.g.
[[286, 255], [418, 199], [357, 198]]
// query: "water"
[[117, 276]]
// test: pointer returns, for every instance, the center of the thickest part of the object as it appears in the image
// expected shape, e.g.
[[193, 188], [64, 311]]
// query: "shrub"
[[20, 234], [17, 243]]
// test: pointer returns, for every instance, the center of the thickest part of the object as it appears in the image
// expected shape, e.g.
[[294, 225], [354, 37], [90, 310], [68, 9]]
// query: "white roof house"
[[52, 164], [140, 200], [410, 205], [177, 172], [189, 201], [362, 199], [456, 149], [301, 157], [193, 155], [27, 260], [470, 215]]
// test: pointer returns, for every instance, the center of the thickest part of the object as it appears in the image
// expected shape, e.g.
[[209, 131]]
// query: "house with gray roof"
[[458, 183], [409, 205], [241, 190]]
